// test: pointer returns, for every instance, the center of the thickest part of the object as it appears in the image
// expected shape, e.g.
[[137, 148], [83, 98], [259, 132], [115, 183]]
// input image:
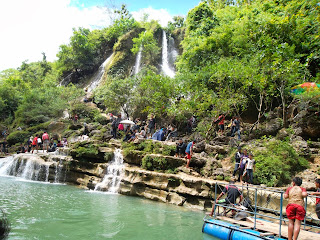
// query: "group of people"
[[234, 125], [140, 129], [295, 210], [43, 142], [245, 165]]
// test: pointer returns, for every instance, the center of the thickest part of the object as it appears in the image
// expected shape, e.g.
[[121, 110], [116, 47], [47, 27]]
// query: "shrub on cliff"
[[18, 137], [277, 163]]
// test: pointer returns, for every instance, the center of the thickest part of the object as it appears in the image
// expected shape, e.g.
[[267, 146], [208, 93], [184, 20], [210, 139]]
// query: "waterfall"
[[112, 179], [31, 167], [99, 75], [165, 60], [138, 62], [58, 171]]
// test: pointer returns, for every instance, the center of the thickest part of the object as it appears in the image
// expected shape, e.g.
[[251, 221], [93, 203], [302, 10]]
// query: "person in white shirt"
[[250, 168]]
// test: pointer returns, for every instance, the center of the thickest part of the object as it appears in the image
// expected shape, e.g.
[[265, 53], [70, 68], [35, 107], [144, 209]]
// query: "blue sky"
[[31, 27], [174, 7]]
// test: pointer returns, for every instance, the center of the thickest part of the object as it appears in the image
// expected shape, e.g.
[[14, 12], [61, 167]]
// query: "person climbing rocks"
[[317, 194], [235, 128], [295, 208], [232, 194], [189, 152], [237, 160], [221, 119]]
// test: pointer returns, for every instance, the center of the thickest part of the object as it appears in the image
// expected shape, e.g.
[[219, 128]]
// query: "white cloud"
[[34, 26], [162, 15]]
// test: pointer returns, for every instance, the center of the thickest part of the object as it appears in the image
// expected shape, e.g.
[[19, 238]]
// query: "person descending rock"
[[46, 141], [232, 194], [317, 194], [295, 208], [189, 152], [237, 159], [236, 127]]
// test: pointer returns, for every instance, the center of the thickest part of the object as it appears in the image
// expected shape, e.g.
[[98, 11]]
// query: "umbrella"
[[127, 122], [307, 86]]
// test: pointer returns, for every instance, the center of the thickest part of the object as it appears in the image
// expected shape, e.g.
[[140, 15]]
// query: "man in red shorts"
[[295, 208]]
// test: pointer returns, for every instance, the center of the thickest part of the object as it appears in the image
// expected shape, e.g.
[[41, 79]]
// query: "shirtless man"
[[295, 208]]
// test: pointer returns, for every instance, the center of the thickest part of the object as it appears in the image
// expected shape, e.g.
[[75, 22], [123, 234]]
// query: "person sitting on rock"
[[232, 194], [180, 148]]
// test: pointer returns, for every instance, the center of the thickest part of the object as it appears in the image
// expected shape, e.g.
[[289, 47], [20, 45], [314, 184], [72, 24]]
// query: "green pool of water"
[[48, 211]]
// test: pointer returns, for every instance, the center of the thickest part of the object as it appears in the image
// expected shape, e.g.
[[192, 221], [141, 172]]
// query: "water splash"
[[99, 75], [165, 60], [112, 179]]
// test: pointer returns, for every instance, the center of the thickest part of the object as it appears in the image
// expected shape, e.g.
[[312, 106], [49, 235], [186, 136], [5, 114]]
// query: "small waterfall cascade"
[[173, 52], [99, 75], [58, 171], [165, 60], [138, 62], [29, 169], [112, 179]]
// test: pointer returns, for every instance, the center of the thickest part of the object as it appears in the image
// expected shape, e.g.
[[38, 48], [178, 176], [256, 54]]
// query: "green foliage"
[[84, 110], [154, 163], [150, 146], [18, 137], [148, 46], [277, 164]]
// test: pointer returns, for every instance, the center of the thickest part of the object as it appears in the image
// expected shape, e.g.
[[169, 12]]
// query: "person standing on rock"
[[152, 125], [242, 166], [189, 152], [238, 159], [250, 168], [295, 208], [317, 194], [221, 119], [46, 141], [35, 143]]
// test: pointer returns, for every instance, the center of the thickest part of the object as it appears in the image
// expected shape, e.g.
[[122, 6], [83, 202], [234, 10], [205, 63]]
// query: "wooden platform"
[[272, 228]]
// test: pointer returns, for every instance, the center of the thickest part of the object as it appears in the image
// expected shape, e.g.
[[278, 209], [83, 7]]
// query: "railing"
[[273, 204]]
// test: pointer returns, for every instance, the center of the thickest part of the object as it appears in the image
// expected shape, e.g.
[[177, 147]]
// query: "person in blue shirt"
[[189, 152]]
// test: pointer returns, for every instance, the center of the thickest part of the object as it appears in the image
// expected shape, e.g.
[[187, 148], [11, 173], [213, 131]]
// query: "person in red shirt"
[[45, 140], [221, 123], [317, 194], [295, 208], [35, 143]]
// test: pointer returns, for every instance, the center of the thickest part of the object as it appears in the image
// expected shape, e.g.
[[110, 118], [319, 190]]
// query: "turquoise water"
[[47, 211]]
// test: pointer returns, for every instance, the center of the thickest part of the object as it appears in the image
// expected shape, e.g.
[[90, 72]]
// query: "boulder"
[[199, 147]]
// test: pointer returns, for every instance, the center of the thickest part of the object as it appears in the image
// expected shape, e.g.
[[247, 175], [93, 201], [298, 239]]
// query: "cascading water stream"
[[99, 75], [31, 168], [138, 62], [112, 179], [165, 60]]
